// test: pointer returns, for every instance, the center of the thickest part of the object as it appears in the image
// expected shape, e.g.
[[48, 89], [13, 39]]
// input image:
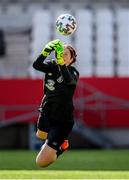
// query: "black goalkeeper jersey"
[[59, 83]]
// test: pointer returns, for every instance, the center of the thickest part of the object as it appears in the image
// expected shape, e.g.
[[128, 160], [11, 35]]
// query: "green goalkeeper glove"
[[59, 48], [60, 59], [56, 45], [49, 47]]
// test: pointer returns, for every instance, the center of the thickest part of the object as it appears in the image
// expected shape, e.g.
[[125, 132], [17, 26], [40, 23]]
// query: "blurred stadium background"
[[102, 97]]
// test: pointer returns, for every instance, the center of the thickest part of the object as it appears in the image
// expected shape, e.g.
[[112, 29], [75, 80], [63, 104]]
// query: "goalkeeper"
[[56, 111]]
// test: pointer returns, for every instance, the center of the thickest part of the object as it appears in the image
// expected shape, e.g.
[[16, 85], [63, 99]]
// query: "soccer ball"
[[66, 24]]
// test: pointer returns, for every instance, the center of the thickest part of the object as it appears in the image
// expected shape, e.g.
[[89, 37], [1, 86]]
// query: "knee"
[[46, 156], [44, 161]]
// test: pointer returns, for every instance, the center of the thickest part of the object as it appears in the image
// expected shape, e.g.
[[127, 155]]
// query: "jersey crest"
[[60, 79]]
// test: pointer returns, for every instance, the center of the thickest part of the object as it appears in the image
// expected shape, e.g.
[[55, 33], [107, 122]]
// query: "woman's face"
[[67, 56]]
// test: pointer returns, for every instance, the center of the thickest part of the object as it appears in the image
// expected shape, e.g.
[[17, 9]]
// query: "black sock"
[[59, 152]]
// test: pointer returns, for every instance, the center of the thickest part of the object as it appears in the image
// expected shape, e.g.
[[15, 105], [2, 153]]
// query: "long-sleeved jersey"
[[59, 83]]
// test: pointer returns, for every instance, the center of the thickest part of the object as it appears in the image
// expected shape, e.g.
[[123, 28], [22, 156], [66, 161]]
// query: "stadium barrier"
[[99, 102], [101, 109]]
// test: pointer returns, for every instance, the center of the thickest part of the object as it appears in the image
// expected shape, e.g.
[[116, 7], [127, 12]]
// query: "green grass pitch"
[[83, 164]]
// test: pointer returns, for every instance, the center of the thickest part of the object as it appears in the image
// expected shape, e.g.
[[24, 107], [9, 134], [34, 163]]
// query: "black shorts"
[[57, 131]]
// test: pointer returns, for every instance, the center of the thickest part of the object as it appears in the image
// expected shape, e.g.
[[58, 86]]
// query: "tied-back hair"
[[72, 52]]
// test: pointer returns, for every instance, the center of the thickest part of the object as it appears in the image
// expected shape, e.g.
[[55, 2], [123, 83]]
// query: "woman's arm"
[[40, 65]]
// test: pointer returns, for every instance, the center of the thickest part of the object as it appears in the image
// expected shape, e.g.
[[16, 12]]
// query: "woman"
[[56, 112]]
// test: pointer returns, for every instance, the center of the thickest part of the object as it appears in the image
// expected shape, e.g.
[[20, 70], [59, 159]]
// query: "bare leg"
[[46, 156]]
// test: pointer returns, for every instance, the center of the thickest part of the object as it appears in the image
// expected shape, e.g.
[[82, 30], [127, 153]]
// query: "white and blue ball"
[[66, 24]]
